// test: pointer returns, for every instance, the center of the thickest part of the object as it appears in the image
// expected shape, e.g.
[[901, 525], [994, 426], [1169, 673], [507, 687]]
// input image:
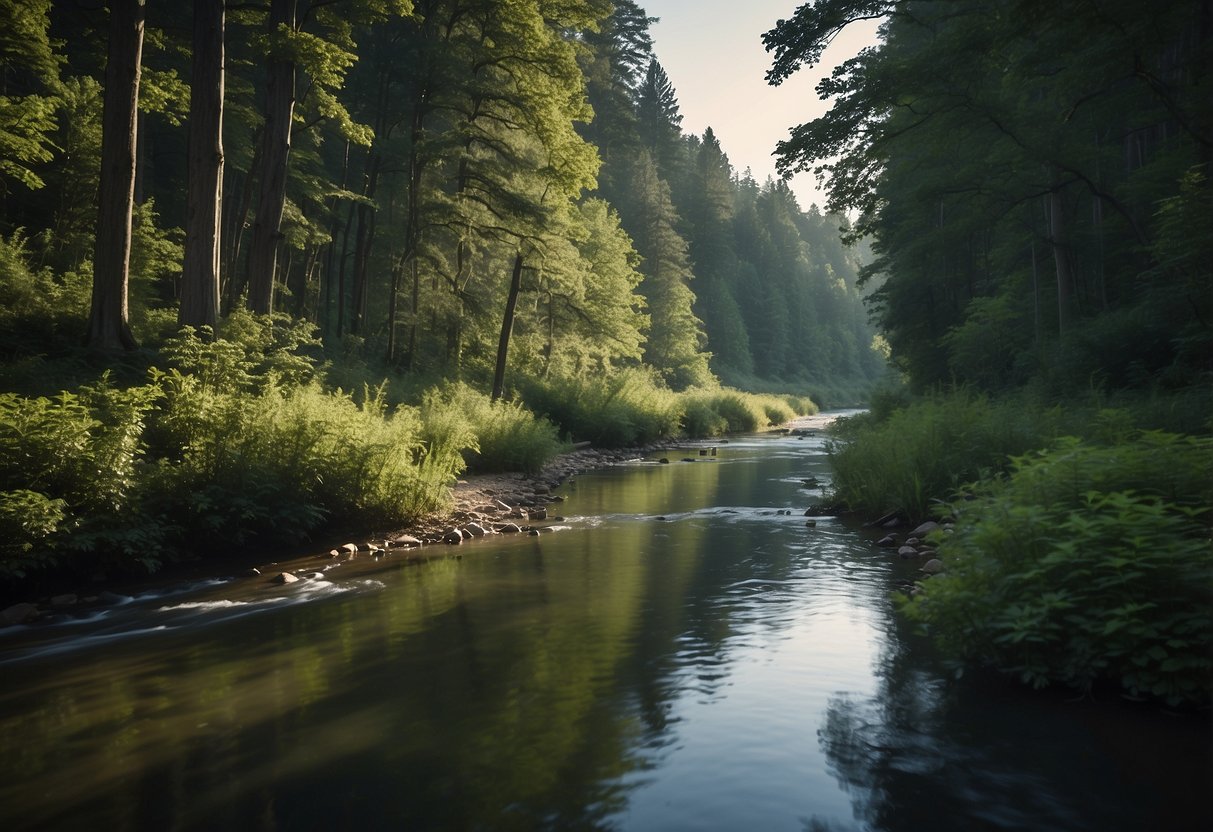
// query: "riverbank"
[[480, 505]]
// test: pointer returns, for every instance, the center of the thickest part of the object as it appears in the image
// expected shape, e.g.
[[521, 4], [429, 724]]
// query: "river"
[[677, 654]]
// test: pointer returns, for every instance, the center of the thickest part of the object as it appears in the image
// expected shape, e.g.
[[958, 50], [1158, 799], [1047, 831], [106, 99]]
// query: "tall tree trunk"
[[276, 149], [235, 280], [109, 320], [200, 276], [1061, 257], [412, 224], [331, 249], [507, 326]]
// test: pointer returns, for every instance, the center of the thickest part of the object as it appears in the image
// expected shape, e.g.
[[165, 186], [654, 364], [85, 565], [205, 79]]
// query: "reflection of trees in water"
[[925, 753]]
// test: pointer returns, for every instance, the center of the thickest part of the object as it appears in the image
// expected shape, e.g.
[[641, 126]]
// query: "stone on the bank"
[[406, 540], [509, 528], [502, 505], [907, 552], [453, 538], [888, 541], [538, 514], [284, 578], [541, 488], [475, 530], [533, 532], [933, 567], [19, 613], [925, 529]]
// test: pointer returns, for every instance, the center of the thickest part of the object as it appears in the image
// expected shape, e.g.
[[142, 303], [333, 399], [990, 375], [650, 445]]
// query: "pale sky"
[[712, 50]]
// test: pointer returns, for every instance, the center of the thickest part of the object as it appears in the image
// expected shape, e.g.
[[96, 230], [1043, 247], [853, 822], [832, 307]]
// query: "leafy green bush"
[[925, 451], [626, 408], [1086, 563], [68, 467], [504, 436], [281, 462], [700, 419], [801, 405]]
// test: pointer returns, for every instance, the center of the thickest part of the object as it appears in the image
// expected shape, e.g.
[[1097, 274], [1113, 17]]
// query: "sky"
[[712, 51]]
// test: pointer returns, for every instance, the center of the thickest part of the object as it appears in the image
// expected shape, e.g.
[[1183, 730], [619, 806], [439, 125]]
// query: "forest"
[[1034, 181], [264, 265]]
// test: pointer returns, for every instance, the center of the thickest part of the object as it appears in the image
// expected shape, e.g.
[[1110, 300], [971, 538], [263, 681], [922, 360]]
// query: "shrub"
[[626, 408], [1086, 563], [68, 467], [503, 436], [924, 452]]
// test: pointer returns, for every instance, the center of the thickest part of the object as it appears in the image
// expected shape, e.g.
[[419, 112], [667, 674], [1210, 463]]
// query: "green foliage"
[[71, 464], [28, 521], [924, 452], [502, 436], [625, 409], [1086, 563]]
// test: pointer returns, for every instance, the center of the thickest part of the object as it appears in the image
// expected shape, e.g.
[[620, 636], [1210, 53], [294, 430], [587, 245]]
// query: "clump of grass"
[[924, 452], [624, 409], [504, 436]]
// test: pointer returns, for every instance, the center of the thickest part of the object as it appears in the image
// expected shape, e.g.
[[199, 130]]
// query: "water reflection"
[[726, 667]]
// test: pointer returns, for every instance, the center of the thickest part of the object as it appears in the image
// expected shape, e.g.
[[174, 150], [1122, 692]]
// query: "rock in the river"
[[453, 538], [509, 528], [474, 529], [933, 567], [664, 461], [405, 540], [19, 614], [284, 578], [252, 572], [349, 548], [907, 552], [925, 529], [538, 514], [66, 600], [888, 541]]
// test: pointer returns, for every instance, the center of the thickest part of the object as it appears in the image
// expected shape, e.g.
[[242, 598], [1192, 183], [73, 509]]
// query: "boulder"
[[664, 461], [405, 540], [933, 567], [349, 548], [501, 505], [888, 541], [538, 514], [252, 572], [907, 552], [284, 578], [19, 614], [509, 528], [453, 538], [533, 532], [925, 529], [475, 530]]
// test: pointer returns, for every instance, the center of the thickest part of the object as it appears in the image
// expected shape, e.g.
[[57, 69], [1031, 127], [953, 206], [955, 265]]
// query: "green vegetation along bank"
[[245, 440]]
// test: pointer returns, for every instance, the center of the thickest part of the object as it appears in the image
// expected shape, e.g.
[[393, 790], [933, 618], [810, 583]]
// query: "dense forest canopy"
[[1034, 178], [378, 167]]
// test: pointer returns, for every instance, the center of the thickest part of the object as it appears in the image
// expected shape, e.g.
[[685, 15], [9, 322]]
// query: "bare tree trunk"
[[1061, 258], [200, 276], [109, 321], [507, 325], [279, 108]]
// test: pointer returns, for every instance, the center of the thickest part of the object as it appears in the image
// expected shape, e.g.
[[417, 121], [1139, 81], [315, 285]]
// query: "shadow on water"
[[686, 654]]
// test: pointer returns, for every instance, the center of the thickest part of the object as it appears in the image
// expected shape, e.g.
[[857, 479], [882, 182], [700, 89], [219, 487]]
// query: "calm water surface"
[[676, 656]]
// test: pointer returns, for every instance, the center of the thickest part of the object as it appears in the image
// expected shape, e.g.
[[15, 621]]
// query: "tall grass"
[[625, 409], [923, 453], [503, 436]]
